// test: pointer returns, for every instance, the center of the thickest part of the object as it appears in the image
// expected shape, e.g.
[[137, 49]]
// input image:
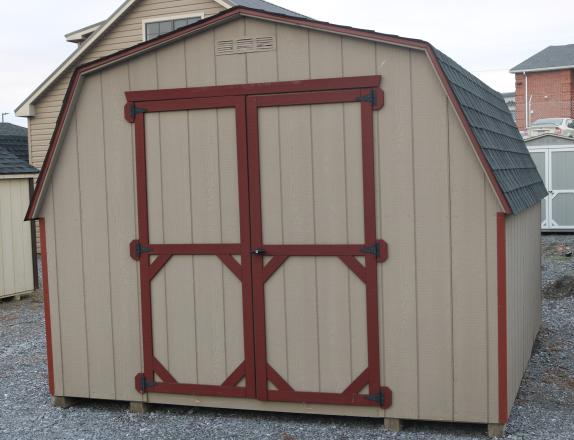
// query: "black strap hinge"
[[143, 384], [372, 250], [132, 110], [371, 98], [137, 249], [378, 397]]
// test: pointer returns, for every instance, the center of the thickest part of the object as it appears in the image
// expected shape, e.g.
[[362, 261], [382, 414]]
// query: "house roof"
[[481, 110], [25, 109], [11, 164], [14, 139], [551, 58], [497, 135]]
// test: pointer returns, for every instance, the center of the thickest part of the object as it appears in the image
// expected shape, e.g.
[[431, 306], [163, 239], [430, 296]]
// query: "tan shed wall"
[[435, 208], [523, 286], [16, 269]]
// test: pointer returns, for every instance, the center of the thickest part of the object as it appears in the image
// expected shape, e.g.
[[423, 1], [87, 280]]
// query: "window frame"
[[146, 21]]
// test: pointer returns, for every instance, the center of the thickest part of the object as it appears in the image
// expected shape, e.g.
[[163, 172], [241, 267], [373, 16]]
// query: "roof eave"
[[80, 71], [541, 69]]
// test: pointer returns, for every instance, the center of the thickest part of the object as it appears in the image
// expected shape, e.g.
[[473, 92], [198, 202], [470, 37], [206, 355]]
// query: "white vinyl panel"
[[433, 241], [94, 219], [7, 239], [395, 225], [66, 193], [120, 184]]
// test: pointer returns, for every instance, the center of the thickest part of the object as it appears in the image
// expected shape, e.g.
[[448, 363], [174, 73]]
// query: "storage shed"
[[554, 159], [17, 252], [273, 213]]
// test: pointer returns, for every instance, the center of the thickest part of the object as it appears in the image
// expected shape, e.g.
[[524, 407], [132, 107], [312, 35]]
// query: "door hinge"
[[379, 249], [143, 384], [371, 97], [131, 111], [136, 249], [383, 397]]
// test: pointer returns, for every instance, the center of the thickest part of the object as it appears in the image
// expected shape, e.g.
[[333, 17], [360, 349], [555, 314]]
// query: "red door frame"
[[246, 99], [347, 253], [143, 250]]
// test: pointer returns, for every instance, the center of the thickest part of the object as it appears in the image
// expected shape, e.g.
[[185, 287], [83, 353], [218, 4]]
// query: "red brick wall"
[[552, 95]]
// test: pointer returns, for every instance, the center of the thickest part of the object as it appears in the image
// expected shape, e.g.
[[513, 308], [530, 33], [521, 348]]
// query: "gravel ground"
[[544, 408]]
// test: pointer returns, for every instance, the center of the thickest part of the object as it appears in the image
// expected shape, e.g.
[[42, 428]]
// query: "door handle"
[[258, 251]]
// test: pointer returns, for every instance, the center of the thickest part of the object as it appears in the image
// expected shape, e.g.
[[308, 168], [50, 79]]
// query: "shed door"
[[194, 248], [315, 248], [561, 188]]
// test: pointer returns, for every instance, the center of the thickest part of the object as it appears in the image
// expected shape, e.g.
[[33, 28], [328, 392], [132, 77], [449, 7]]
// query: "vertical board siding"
[[523, 285], [94, 240], [57, 360], [16, 270], [70, 275], [437, 298], [470, 355], [433, 242], [396, 225], [120, 189]]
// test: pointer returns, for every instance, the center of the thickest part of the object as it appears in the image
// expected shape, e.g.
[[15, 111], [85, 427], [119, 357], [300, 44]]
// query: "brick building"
[[545, 85]]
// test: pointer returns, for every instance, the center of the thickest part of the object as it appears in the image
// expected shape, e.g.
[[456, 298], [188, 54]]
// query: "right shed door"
[[315, 250]]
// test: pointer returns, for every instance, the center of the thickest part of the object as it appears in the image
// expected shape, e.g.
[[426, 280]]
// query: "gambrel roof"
[[481, 110]]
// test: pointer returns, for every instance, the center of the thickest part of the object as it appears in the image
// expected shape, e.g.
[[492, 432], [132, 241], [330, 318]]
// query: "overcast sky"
[[487, 37]]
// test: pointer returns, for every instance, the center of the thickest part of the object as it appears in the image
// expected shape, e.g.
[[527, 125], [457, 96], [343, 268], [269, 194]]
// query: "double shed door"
[[258, 247], [555, 165]]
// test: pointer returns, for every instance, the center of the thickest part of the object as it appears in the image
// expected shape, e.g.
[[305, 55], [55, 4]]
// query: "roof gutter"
[[542, 69]]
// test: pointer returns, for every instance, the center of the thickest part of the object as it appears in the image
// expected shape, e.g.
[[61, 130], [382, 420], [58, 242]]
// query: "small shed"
[[272, 213], [554, 159], [17, 249]]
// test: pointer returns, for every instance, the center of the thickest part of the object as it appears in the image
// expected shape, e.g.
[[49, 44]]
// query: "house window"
[[153, 29]]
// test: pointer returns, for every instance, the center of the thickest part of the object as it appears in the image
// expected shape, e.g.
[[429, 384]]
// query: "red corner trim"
[[502, 335], [47, 319], [242, 11]]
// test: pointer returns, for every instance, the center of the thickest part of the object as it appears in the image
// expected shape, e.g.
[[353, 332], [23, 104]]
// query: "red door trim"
[[47, 315], [142, 250], [502, 310], [347, 253], [310, 85]]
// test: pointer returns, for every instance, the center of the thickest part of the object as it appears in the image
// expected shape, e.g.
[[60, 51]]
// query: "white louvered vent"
[[245, 45]]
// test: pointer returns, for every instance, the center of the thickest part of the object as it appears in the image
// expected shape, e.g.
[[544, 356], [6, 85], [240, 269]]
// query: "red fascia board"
[[247, 12], [47, 315], [502, 310]]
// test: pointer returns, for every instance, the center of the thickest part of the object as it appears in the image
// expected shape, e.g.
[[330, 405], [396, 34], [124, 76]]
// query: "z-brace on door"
[[276, 233]]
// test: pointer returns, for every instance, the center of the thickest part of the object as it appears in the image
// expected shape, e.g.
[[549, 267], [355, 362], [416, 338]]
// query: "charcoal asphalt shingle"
[[551, 58], [497, 135]]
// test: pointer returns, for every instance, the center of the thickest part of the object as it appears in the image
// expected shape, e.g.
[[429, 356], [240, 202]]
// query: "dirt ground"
[[544, 408]]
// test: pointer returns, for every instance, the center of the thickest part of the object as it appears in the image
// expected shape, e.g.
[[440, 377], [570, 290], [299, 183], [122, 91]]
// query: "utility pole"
[[4, 114]]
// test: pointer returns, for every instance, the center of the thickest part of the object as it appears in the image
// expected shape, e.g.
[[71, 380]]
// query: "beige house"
[[266, 212]]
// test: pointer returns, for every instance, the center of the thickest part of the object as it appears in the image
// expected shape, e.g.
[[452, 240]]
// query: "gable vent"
[[245, 45]]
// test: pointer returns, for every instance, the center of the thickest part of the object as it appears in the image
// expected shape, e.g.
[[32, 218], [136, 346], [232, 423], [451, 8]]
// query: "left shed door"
[[193, 248]]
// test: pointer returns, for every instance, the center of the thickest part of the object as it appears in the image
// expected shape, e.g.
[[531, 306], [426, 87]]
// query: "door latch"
[[258, 251]]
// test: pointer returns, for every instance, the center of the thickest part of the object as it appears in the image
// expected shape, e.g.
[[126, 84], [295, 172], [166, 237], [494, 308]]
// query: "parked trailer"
[[264, 227]]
